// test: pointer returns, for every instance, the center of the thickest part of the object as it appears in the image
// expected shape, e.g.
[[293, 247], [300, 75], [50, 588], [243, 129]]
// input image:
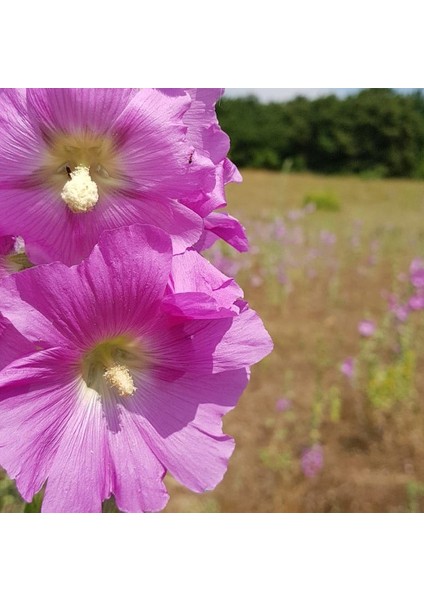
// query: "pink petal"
[[151, 141], [77, 306], [212, 346], [137, 474], [80, 477], [37, 395], [181, 421], [76, 109]]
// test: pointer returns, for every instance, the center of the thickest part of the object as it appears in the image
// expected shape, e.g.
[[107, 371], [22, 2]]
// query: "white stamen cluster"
[[80, 192], [119, 377]]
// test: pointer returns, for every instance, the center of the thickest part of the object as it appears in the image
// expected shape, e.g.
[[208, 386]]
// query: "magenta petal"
[[151, 140], [182, 224], [213, 346], [226, 227], [182, 424], [13, 345], [80, 476], [193, 273], [196, 306], [75, 306], [138, 475], [76, 109], [37, 394], [17, 159], [16, 304]]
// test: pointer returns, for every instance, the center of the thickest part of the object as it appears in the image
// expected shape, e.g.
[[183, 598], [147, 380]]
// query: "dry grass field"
[[308, 436]]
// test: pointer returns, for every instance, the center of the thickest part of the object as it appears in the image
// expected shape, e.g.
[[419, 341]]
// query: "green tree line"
[[376, 131]]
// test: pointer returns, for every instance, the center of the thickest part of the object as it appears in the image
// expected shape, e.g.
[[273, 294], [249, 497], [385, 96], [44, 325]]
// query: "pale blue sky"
[[281, 94]]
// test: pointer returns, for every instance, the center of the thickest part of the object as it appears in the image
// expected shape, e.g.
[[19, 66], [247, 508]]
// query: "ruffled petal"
[[197, 289], [155, 153], [196, 305], [181, 223], [181, 421], [212, 346], [225, 227]]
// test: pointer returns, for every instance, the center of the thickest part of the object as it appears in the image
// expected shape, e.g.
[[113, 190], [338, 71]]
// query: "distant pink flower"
[[256, 280], [328, 238], [280, 229], [127, 363], [77, 162], [283, 404], [416, 302], [401, 311], [366, 328], [416, 273], [348, 367], [295, 214], [312, 461]]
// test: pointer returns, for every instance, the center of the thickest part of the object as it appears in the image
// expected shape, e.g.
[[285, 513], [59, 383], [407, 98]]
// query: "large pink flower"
[[76, 162], [128, 363]]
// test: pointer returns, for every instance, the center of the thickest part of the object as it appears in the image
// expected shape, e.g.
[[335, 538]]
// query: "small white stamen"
[[119, 377], [80, 193]]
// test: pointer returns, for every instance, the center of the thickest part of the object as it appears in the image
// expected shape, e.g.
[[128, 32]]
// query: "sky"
[[281, 94]]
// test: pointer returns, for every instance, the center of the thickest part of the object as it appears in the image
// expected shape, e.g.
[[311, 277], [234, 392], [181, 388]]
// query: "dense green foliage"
[[377, 132]]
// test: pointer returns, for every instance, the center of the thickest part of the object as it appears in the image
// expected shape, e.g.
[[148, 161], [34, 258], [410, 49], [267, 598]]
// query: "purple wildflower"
[[312, 461], [401, 311], [77, 162], [416, 302], [256, 280], [327, 237], [283, 404], [366, 328], [348, 367], [416, 273], [127, 363]]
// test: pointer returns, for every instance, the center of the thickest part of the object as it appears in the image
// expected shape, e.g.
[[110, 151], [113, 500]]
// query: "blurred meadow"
[[333, 419]]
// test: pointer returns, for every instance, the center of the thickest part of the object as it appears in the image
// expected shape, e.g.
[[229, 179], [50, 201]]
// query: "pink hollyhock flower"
[[76, 162], [283, 404], [327, 237], [312, 461], [348, 367], [416, 273], [416, 302], [129, 362], [366, 328], [401, 311]]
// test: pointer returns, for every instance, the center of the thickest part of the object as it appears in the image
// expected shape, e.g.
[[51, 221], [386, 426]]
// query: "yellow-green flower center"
[[81, 167]]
